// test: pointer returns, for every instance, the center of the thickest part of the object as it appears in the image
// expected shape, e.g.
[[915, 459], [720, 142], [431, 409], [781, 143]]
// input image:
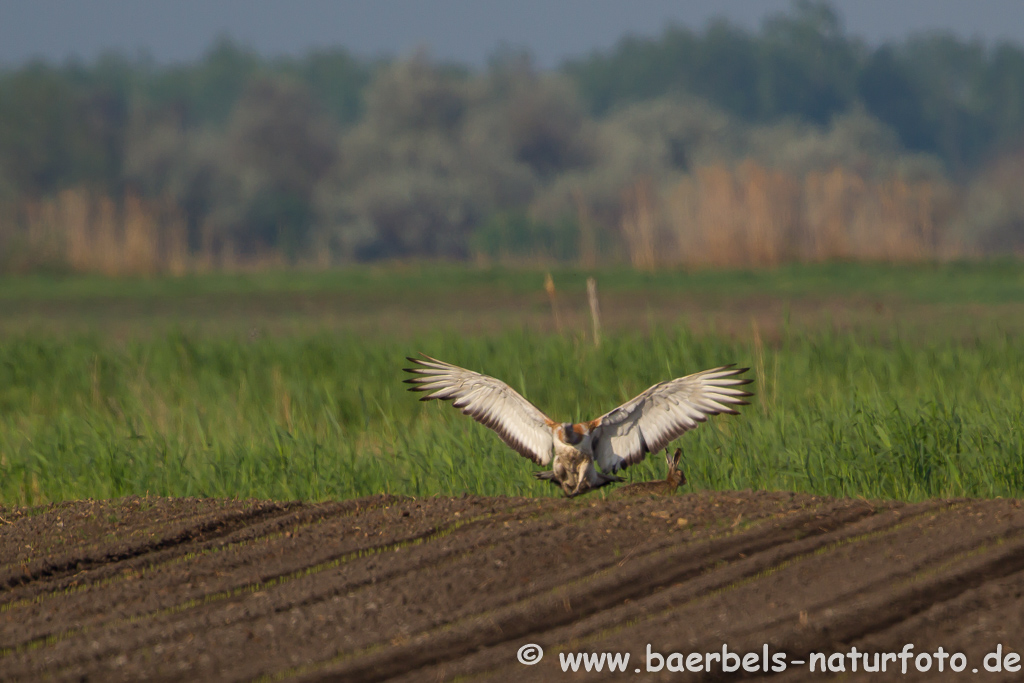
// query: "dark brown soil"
[[439, 589]]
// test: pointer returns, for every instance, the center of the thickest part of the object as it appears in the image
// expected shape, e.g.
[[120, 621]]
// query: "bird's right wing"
[[489, 401], [649, 422]]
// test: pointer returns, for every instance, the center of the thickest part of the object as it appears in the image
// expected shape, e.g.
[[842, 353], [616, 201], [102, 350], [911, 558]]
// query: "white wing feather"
[[649, 422], [489, 401]]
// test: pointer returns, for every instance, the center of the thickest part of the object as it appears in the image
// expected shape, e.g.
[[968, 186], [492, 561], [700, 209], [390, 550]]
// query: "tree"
[[54, 134], [890, 93], [807, 66], [279, 145]]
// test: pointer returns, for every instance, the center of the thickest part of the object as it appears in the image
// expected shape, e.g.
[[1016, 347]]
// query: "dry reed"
[[750, 216], [93, 233], [717, 216]]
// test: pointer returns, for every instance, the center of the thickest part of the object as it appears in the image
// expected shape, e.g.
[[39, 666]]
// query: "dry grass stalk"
[[683, 223], [638, 224], [718, 216], [595, 311], [176, 256], [549, 287], [139, 239], [588, 237], [759, 365]]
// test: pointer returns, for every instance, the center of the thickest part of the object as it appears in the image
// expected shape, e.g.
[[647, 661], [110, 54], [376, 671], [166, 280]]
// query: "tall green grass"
[[327, 417]]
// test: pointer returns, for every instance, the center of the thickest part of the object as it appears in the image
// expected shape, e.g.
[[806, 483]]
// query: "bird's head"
[[574, 434]]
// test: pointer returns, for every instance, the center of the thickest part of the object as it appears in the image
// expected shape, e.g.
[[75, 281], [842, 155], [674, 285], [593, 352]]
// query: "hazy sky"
[[462, 30]]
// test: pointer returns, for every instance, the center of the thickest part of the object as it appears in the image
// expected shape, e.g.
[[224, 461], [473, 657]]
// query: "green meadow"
[[880, 409]]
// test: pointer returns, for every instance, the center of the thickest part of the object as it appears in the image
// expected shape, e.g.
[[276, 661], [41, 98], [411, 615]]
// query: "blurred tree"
[[800, 64], [279, 145], [412, 157], [337, 80], [724, 69], [164, 158], [807, 66], [414, 96], [513, 234], [407, 182], [940, 94], [537, 118], [638, 69], [208, 90], [992, 216], [1002, 91], [54, 133], [37, 123], [948, 74], [889, 93], [278, 130]]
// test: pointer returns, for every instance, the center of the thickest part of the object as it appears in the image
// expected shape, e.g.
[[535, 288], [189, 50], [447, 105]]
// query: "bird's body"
[[572, 466], [614, 441]]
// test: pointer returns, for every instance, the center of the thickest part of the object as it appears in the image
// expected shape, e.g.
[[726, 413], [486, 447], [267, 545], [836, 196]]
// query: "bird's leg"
[[569, 489], [582, 481]]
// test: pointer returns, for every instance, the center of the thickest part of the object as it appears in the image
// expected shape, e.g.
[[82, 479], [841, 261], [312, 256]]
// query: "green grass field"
[[322, 413]]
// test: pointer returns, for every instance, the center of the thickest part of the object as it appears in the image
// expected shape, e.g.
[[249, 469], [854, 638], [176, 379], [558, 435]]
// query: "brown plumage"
[[666, 487]]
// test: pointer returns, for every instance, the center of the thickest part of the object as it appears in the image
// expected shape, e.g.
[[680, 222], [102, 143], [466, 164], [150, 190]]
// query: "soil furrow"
[[610, 624], [797, 626], [208, 598], [198, 571], [212, 526], [441, 588], [862, 619], [136, 567], [75, 526], [575, 601], [131, 623], [707, 506], [274, 609]]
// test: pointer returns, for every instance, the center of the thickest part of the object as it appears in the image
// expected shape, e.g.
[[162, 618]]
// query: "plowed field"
[[438, 589]]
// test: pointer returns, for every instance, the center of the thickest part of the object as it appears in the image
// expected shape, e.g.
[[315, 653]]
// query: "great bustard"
[[616, 440]]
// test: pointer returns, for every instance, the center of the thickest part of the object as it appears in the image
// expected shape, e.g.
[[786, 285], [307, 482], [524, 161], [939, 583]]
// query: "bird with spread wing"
[[614, 441]]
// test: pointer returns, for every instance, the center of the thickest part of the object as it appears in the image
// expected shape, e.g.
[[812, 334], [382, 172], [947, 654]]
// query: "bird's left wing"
[[649, 422], [489, 401]]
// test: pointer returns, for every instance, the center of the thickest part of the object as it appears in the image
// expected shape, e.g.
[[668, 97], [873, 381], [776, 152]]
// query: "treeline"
[[720, 146], [961, 101]]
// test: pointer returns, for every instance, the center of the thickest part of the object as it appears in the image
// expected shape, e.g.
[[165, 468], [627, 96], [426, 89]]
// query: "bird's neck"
[[582, 448]]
